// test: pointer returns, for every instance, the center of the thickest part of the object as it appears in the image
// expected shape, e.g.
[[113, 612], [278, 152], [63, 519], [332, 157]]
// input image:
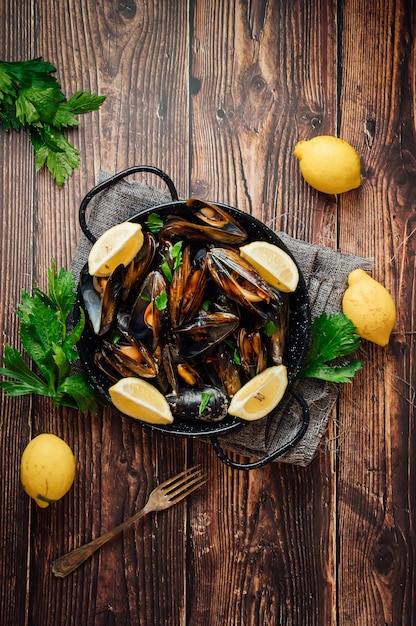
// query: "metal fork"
[[164, 496]]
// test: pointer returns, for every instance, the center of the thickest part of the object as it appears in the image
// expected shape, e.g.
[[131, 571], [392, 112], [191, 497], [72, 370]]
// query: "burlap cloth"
[[325, 272]]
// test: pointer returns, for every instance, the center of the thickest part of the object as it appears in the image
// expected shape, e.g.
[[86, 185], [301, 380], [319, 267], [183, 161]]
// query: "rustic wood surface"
[[217, 95]]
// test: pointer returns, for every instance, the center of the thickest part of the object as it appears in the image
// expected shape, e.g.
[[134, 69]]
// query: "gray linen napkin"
[[325, 272]]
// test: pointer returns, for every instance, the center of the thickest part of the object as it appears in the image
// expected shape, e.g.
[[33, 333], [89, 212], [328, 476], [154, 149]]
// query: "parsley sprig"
[[333, 336], [31, 99], [154, 222], [48, 341], [176, 258], [205, 398]]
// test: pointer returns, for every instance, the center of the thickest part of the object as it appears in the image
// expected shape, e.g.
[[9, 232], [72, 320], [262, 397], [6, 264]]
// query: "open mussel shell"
[[296, 344]]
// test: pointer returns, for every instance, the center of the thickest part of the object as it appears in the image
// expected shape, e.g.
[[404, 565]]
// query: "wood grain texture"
[[217, 95], [17, 212], [377, 532], [249, 115]]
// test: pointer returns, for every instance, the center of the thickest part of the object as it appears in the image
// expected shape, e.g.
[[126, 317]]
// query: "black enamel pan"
[[297, 344]]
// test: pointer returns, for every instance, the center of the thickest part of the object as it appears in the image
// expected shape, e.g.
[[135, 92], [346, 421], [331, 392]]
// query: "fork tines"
[[184, 483]]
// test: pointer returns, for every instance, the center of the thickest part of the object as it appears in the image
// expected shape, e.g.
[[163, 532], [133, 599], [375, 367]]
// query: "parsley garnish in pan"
[[31, 99], [333, 336], [50, 344], [154, 223], [205, 398]]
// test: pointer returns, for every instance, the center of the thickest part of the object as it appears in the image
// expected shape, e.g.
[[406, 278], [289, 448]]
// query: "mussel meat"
[[179, 372], [252, 350], [187, 288], [223, 370], [278, 326], [132, 357], [149, 316]]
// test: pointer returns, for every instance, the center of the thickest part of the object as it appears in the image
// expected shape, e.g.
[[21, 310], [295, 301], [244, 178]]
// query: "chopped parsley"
[[161, 301], [205, 398], [154, 223]]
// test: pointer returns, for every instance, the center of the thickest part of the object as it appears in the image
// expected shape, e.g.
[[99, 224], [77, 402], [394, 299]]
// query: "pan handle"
[[113, 179], [277, 453]]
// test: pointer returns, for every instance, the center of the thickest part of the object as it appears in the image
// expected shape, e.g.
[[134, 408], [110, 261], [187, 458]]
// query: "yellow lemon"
[[117, 245], [329, 164], [370, 307], [273, 264], [47, 469], [260, 395], [139, 399]]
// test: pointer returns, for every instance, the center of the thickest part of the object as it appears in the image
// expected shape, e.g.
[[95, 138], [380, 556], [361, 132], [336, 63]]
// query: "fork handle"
[[69, 562]]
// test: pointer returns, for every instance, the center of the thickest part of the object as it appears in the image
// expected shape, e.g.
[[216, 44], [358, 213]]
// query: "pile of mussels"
[[188, 314]]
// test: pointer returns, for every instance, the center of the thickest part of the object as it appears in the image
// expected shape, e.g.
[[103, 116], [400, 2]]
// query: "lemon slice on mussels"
[[141, 400], [260, 395], [117, 245], [273, 264]]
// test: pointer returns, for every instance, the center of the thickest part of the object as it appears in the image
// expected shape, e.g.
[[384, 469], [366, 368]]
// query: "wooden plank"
[[376, 569], [263, 538], [255, 100], [16, 260]]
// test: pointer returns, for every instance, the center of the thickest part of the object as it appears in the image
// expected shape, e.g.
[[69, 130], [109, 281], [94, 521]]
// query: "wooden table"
[[217, 94]]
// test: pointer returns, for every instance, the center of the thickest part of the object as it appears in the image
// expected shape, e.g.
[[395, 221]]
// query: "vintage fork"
[[164, 496]]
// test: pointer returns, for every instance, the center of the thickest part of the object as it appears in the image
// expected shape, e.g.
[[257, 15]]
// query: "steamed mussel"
[[188, 313], [206, 222]]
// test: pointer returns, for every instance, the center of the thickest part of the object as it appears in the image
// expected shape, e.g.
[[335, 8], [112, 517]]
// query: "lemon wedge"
[[260, 395], [273, 264], [117, 245], [139, 399]]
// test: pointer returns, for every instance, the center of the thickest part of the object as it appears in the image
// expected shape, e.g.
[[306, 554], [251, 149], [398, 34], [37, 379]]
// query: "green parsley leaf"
[[176, 254], [269, 328], [25, 381], [84, 102], [6, 83], [50, 345], [77, 387], [333, 336], [205, 398], [59, 156], [37, 105], [154, 223], [64, 117], [161, 301], [81, 102], [165, 267], [62, 295], [234, 349]]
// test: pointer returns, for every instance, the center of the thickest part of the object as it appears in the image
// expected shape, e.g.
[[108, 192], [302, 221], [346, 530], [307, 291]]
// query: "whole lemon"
[[47, 469], [370, 307], [329, 164]]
